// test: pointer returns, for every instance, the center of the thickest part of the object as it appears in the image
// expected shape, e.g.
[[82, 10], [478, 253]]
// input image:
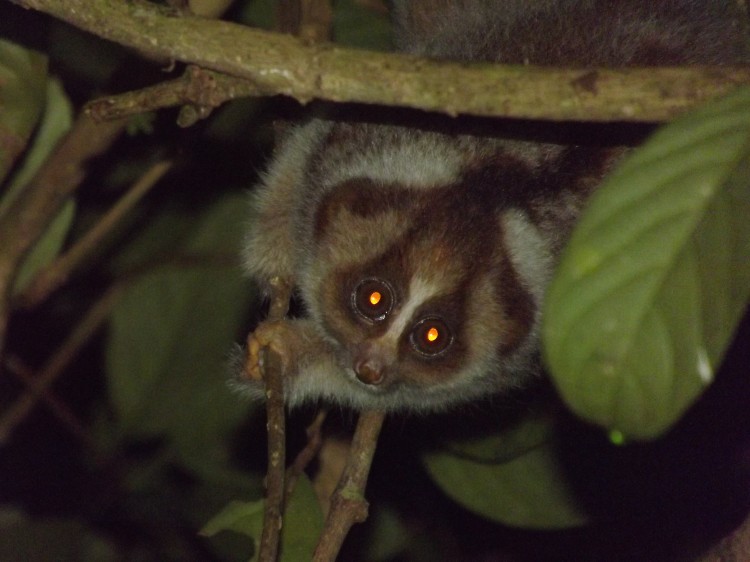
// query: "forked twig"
[[348, 504], [17, 368], [306, 455], [82, 333]]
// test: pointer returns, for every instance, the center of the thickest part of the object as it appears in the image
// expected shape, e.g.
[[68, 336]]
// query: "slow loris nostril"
[[368, 373]]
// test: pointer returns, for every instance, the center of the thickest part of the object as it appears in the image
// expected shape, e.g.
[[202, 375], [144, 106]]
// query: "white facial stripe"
[[419, 292]]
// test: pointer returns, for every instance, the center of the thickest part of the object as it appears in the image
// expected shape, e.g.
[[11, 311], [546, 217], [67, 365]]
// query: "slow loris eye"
[[372, 299], [431, 336]]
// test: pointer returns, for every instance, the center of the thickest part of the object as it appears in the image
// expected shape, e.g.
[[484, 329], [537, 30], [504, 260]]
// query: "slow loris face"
[[422, 270]]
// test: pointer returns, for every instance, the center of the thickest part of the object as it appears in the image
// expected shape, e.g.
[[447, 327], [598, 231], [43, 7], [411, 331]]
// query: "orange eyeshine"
[[375, 297], [432, 334]]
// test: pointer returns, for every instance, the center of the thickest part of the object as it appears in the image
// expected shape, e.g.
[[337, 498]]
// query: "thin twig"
[[27, 217], [283, 64], [86, 328], [58, 272], [348, 505], [16, 367], [317, 20], [281, 291], [197, 88], [306, 455], [273, 377]]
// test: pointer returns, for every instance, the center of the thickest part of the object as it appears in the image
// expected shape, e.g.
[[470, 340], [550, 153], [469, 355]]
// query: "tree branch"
[[348, 505], [276, 428], [197, 90], [306, 455], [282, 64], [57, 273]]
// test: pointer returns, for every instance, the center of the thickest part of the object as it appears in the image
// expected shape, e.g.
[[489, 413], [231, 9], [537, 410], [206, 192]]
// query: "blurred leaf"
[[656, 275], [171, 333], [388, 535], [505, 445], [303, 522], [357, 24], [23, 539], [71, 50], [245, 518], [57, 120], [527, 491], [208, 8], [258, 13], [23, 86]]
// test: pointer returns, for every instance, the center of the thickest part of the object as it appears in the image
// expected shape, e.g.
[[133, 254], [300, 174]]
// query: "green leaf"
[[355, 24], [303, 522], [23, 77], [26, 539], [245, 518], [57, 120], [258, 13], [171, 334], [527, 491], [656, 275], [507, 444]]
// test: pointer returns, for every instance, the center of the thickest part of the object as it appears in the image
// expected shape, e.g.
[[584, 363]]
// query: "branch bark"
[[348, 505], [276, 429], [282, 64]]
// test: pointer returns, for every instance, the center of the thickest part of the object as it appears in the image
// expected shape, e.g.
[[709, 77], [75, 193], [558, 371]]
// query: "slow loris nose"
[[373, 361], [368, 372]]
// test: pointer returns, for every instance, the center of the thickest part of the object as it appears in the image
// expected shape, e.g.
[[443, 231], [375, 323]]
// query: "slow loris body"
[[422, 253]]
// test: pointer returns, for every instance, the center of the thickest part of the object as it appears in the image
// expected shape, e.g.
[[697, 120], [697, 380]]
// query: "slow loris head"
[[421, 258]]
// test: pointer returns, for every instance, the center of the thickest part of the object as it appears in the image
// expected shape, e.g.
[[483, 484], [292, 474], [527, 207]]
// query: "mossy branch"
[[282, 64]]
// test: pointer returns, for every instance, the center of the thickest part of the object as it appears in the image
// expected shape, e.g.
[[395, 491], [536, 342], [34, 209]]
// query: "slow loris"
[[421, 250]]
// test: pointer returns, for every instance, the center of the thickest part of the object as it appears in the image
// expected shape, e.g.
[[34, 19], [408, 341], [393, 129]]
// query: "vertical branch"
[[275, 427], [348, 505], [291, 18]]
